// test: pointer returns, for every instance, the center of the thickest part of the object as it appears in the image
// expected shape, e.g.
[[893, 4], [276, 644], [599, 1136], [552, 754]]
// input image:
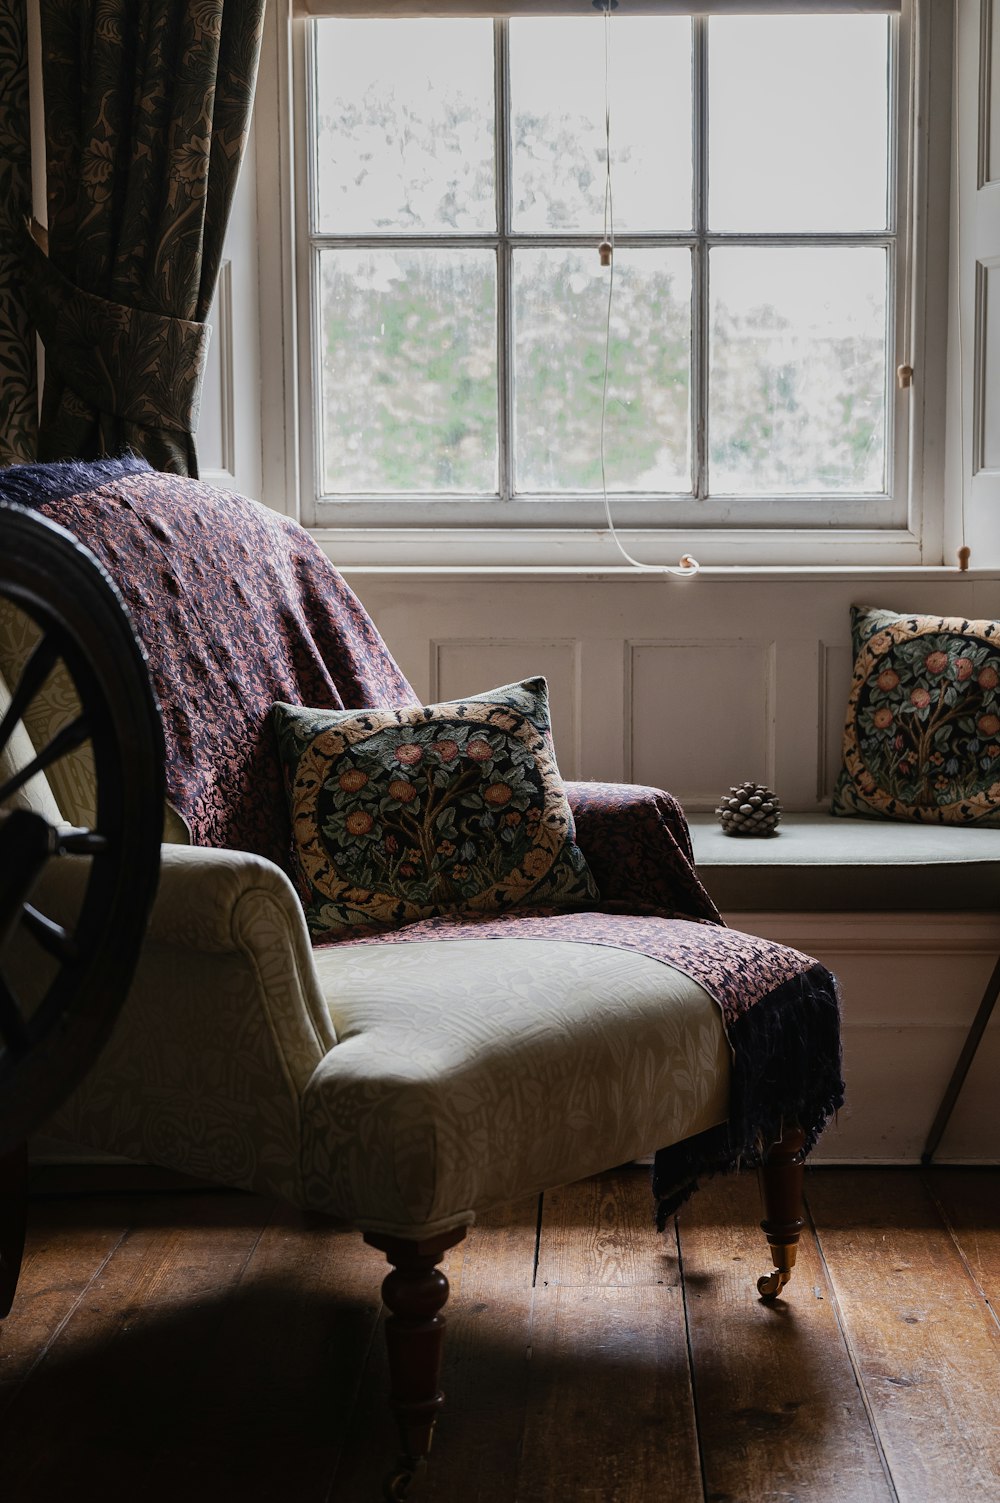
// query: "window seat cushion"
[[819, 863]]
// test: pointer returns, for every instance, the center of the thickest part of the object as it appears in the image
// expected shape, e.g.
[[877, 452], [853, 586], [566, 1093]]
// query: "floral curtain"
[[147, 110], [18, 397]]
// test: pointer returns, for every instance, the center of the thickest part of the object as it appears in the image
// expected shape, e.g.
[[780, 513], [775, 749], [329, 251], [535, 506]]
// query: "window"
[[754, 314]]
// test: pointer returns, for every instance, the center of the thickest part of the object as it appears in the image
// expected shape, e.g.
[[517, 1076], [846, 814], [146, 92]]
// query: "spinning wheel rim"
[[72, 601]]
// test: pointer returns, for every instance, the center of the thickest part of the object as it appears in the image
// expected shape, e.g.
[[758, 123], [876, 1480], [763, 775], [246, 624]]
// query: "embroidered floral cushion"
[[403, 814], [922, 735]]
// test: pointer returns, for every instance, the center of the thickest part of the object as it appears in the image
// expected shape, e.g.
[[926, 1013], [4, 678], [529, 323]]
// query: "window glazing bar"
[[511, 8]]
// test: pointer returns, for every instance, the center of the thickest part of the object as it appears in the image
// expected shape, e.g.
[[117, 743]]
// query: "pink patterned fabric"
[[736, 969], [237, 607], [638, 847]]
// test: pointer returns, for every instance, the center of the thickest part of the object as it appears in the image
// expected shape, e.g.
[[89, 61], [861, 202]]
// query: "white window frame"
[[795, 531]]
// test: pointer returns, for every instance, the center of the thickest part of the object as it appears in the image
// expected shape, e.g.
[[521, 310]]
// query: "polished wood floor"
[[198, 1346]]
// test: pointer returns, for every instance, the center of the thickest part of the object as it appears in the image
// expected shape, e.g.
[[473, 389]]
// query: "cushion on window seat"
[[819, 863]]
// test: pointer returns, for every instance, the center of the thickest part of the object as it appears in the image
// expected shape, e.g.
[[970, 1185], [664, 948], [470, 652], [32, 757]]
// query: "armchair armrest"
[[204, 890], [637, 845], [224, 1025], [220, 903]]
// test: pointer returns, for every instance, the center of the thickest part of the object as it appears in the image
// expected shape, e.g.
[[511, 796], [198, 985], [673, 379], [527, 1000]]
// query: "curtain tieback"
[[144, 368]]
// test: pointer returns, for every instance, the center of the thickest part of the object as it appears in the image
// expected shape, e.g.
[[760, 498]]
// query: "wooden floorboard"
[[215, 1346], [267, 1410], [779, 1410], [61, 1259], [106, 1392], [924, 1341], [610, 1417], [969, 1203]]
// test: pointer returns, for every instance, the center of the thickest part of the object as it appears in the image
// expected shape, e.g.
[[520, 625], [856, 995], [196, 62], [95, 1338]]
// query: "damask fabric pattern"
[[400, 815], [548, 1061], [224, 1026], [147, 113], [348, 1087], [780, 1011], [18, 399], [922, 734], [236, 607]]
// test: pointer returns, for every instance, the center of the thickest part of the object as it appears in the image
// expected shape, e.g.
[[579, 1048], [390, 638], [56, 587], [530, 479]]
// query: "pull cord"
[[606, 250]]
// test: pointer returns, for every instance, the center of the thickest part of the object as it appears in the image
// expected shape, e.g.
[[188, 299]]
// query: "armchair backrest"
[[236, 607]]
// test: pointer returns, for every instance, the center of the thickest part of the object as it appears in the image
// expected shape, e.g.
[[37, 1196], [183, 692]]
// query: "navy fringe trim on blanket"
[[31, 484], [786, 1071]]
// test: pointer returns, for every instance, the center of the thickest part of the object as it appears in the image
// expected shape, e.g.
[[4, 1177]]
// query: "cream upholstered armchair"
[[402, 1080]]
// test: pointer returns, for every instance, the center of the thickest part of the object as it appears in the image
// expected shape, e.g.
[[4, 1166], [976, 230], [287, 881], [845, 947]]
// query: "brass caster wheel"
[[404, 1481], [770, 1285]]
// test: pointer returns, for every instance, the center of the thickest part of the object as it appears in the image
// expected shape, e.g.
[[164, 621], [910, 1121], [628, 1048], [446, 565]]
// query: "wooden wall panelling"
[[701, 715], [910, 985], [989, 84], [835, 669], [474, 665], [691, 687]]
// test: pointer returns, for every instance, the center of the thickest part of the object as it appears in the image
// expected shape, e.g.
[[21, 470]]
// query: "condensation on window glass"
[[797, 370], [560, 314], [558, 137], [798, 122], [408, 371], [404, 126]]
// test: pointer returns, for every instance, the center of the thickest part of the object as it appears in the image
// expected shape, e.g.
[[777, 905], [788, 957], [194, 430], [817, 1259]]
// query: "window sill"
[[592, 553]]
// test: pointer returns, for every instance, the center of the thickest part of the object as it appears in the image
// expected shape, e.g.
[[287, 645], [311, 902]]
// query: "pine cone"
[[749, 809]]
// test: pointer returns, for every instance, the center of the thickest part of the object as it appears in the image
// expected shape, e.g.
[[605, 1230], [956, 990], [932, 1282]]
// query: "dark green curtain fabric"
[[147, 109], [18, 390]]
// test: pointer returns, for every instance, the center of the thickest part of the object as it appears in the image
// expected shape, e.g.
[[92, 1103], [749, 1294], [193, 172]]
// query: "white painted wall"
[[691, 684]]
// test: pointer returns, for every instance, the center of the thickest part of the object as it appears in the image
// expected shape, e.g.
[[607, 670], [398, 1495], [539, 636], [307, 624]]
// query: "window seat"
[[818, 863], [907, 917]]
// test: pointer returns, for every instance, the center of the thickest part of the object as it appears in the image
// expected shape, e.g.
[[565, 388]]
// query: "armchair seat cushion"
[[469, 1072]]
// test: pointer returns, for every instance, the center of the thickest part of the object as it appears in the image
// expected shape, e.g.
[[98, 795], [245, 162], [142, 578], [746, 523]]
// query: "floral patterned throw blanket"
[[238, 607]]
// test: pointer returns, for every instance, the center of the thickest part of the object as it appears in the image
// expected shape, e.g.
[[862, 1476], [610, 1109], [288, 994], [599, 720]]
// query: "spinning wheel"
[[65, 973]]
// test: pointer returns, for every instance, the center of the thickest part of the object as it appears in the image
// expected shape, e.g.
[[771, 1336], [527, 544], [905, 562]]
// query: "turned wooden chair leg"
[[13, 1215], [414, 1291], [781, 1189]]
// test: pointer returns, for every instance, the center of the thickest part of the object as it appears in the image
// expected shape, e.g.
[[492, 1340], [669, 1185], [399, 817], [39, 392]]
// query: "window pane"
[[404, 125], [798, 111], [797, 370], [408, 371], [557, 123], [560, 312]]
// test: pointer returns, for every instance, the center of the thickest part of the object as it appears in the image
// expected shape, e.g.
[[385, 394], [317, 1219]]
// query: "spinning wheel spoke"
[[13, 1028], [68, 739], [81, 842], [53, 937], [36, 670]]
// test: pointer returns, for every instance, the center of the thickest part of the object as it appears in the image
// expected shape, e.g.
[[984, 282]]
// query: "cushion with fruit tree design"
[[404, 814], [922, 734]]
